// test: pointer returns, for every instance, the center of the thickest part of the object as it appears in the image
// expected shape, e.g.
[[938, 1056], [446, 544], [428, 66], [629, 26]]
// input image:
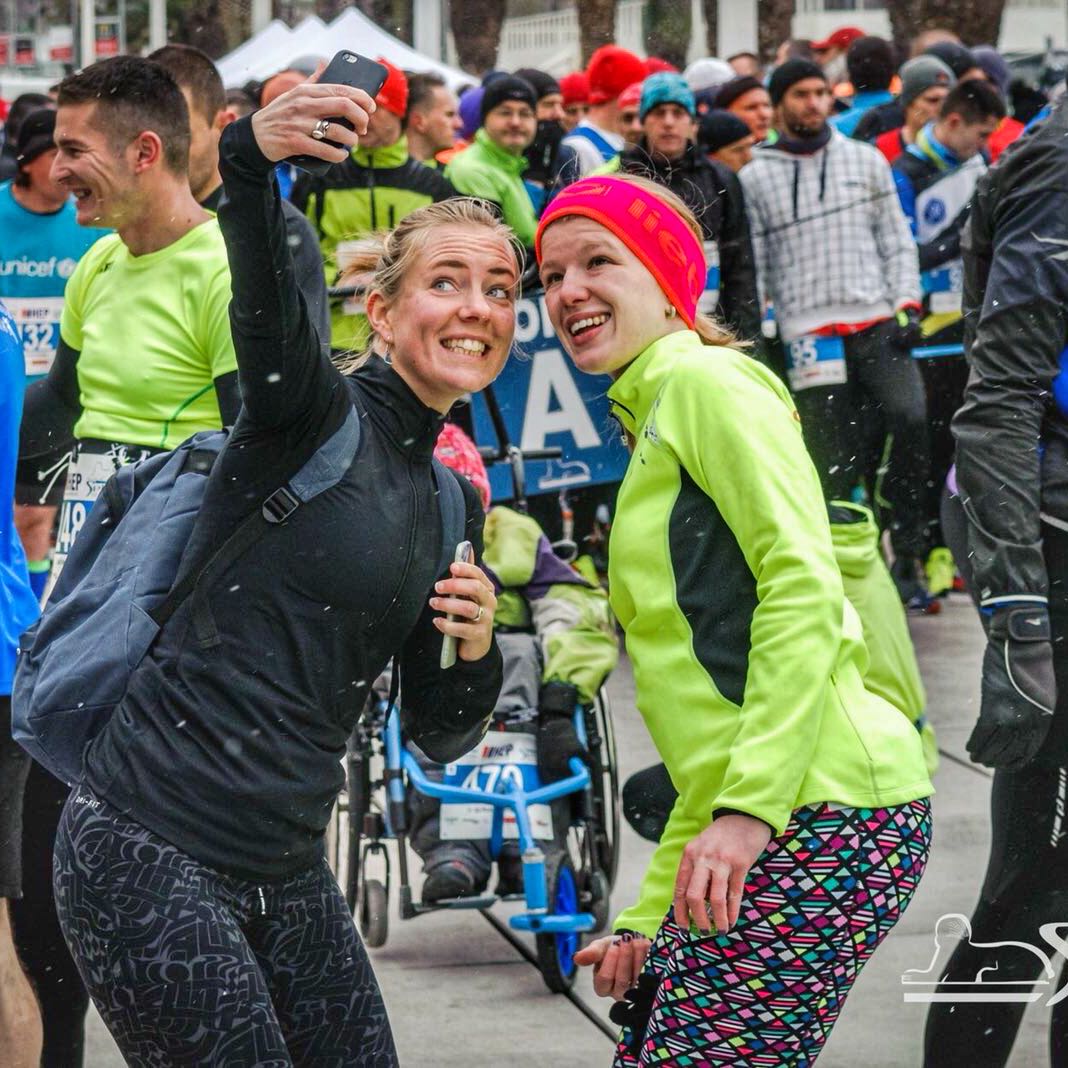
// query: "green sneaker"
[[941, 571]]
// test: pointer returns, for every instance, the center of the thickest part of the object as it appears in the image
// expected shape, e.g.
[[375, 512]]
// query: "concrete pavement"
[[461, 997]]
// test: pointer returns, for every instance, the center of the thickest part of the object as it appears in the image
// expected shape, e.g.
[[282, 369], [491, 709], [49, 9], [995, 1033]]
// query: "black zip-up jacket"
[[714, 195], [1012, 440], [879, 119], [231, 748]]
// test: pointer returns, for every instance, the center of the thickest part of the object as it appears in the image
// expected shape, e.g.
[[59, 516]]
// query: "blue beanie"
[[666, 87]]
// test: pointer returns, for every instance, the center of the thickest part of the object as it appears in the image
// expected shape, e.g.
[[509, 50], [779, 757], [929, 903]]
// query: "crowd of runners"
[[830, 295]]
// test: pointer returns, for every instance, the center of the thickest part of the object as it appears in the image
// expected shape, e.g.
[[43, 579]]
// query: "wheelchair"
[[566, 886], [565, 889]]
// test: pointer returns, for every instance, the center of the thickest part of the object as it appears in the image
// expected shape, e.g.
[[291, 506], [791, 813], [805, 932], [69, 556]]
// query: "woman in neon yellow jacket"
[[802, 824]]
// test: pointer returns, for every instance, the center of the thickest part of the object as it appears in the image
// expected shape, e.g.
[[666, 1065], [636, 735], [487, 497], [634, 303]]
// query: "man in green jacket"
[[377, 186], [492, 168]]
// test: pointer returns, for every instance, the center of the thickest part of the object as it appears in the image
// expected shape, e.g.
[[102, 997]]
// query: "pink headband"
[[647, 226]]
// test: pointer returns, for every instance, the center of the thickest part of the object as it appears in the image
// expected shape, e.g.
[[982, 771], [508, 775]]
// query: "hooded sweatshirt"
[[831, 242]]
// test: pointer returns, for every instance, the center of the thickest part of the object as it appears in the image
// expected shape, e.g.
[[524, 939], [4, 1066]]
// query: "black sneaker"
[[452, 879]]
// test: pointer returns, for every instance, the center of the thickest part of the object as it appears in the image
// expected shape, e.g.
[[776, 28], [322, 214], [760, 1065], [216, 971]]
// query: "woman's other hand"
[[713, 869], [284, 127], [469, 596], [617, 962]]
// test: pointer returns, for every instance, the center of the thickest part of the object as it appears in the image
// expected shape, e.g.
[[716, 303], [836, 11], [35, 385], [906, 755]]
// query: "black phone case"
[[357, 72]]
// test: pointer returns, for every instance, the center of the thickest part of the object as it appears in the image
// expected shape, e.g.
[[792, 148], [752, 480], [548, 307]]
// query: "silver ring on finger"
[[320, 128], [479, 616]]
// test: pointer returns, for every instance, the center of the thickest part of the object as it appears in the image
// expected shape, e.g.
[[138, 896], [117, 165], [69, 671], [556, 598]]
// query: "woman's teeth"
[[465, 344], [583, 324]]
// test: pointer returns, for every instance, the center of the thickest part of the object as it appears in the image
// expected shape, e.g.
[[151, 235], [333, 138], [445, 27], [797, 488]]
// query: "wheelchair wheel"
[[372, 913], [358, 789], [598, 893], [604, 775], [556, 952]]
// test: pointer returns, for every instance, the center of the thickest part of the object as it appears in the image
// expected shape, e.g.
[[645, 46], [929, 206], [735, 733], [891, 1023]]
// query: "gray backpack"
[[126, 576]]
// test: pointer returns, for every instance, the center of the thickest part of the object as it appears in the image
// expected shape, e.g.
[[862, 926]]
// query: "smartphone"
[[356, 71], [465, 553]]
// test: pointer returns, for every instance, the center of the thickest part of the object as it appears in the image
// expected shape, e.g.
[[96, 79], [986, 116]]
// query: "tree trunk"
[[201, 23], [237, 21], [974, 21], [476, 28], [597, 25], [395, 17], [774, 25], [668, 25], [711, 10], [328, 10]]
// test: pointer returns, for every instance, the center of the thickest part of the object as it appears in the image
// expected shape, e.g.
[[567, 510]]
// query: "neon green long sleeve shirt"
[[747, 658]]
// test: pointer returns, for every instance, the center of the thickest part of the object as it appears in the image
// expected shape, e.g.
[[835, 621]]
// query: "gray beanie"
[[921, 74]]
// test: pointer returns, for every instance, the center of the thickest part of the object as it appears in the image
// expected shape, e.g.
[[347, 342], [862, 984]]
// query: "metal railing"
[[551, 40]]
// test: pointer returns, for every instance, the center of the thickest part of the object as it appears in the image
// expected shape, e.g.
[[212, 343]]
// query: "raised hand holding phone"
[[469, 602], [357, 72], [318, 122]]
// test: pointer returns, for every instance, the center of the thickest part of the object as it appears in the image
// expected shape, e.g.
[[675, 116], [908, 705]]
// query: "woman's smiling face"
[[605, 305], [450, 327]]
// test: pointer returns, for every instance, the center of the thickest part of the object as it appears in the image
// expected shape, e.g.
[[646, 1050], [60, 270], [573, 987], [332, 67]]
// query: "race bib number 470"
[[502, 762], [815, 361]]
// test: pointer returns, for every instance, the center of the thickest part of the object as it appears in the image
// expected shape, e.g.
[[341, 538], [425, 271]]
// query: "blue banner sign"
[[546, 402]]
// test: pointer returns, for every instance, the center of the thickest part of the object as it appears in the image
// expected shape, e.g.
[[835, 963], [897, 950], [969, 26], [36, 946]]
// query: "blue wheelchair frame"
[[537, 918], [931, 352]]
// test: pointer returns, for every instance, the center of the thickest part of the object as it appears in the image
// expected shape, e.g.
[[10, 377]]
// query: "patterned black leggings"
[[190, 967]]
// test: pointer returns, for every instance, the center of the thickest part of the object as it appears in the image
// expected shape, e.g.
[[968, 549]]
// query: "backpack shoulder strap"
[[598, 141], [324, 469], [453, 514]]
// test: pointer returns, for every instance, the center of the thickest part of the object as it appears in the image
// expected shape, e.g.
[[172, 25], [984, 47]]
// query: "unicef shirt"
[[38, 253]]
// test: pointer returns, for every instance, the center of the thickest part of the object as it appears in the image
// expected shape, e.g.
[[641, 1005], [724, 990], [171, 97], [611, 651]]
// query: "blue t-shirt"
[[846, 122], [18, 606], [38, 253]]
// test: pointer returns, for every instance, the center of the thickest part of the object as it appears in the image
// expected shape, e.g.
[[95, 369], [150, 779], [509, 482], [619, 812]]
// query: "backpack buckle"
[[280, 505]]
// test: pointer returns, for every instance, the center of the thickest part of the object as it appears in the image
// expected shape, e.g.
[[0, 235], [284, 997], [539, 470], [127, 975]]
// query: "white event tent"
[[276, 46]]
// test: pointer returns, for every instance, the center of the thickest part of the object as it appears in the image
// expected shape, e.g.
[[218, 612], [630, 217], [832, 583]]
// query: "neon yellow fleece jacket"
[[748, 660]]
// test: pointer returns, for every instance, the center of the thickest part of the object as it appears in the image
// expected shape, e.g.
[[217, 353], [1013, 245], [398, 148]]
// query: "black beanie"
[[790, 73], [955, 56], [735, 88], [507, 88], [870, 63], [36, 135], [719, 129], [544, 84]]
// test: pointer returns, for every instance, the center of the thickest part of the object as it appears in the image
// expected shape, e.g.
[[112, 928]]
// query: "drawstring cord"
[[797, 181]]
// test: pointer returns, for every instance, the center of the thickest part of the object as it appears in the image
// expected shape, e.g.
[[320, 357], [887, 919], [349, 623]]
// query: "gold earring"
[[670, 312]]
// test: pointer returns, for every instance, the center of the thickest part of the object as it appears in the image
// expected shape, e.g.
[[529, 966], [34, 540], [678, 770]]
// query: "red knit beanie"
[[656, 65], [631, 97], [393, 96], [611, 70], [575, 88]]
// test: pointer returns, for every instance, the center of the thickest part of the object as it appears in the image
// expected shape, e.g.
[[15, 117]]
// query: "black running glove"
[[907, 333], [1019, 689], [557, 740]]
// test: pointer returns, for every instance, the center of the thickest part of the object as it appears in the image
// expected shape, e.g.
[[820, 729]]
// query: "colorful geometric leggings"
[[192, 968], [817, 903]]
